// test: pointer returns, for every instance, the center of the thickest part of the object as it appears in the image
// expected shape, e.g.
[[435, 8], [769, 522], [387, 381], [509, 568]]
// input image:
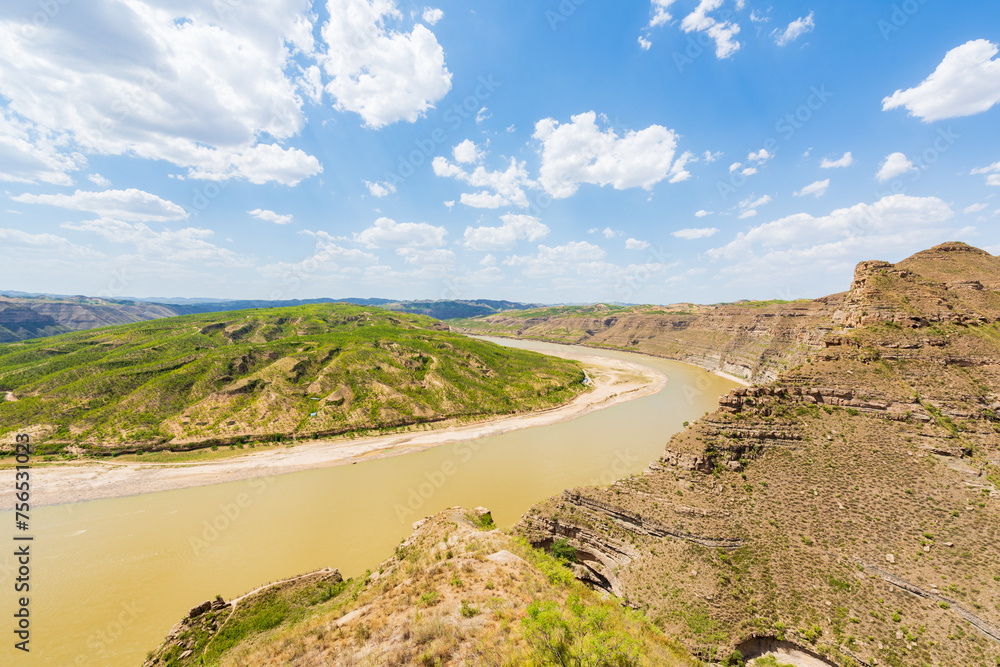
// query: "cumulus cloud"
[[387, 233], [270, 216], [817, 189], [892, 215], [895, 164], [189, 85], [796, 29], [635, 244], [508, 186], [722, 33], [99, 180], [189, 244], [328, 258], [761, 156], [580, 152], [380, 188], [382, 74], [702, 213], [660, 13], [432, 16], [609, 233], [991, 172], [515, 228], [644, 43], [845, 161], [573, 257], [695, 233], [966, 82], [131, 205], [467, 152]]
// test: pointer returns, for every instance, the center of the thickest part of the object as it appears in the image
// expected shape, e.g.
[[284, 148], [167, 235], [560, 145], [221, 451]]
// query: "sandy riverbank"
[[615, 381]]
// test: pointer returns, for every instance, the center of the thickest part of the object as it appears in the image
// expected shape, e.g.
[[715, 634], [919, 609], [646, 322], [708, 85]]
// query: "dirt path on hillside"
[[615, 381]]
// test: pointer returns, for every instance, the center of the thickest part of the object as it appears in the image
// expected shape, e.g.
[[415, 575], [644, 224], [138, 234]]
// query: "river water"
[[109, 578]]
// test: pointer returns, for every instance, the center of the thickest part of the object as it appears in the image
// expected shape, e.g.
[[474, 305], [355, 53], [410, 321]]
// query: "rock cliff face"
[[849, 506], [754, 342]]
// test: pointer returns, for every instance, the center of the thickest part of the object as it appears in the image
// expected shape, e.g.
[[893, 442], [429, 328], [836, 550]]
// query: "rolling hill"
[[263, 375]]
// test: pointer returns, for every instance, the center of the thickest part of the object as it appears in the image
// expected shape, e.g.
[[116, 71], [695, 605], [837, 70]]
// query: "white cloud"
[[270, 216], [44, 242], [380, 189], [508, 186], [761, 156], [579, 152], [796, 29], [644, 43], [749, 171], [758, 18], [328, 258], [30, 155], [895, 214], [966, 82], [99, 180], [723, 33], [132, 205], [574, 257], [467, 152], [695, 233], [734, 166], [432, 16], [895, 164], [702, 213], [975, 208], [755, 203], [991, 172], [635, 244], [387, 233], [611, 233], [194, 87], [817, 189], [483, 115], [846, 161], [709, 157], [751, 213], [660, 13], [505, 237], [190, 244], [380, 73]]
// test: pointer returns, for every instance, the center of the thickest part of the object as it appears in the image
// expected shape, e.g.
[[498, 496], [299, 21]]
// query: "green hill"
[[263, 375]]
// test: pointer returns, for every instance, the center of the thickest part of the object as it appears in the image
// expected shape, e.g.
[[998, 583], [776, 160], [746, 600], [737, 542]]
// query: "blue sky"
[[575, 151]]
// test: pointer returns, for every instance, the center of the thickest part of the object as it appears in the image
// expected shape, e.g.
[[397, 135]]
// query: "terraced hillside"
[[263, 375], [850, 509]]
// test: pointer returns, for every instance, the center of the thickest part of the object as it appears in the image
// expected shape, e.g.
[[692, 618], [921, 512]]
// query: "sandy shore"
[[615, 381]]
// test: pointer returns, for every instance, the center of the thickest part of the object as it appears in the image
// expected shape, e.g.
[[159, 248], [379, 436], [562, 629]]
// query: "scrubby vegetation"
[[263, 376], [452, 594]]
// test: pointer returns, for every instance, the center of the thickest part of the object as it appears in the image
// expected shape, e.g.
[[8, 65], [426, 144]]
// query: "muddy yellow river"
[[109, 578]]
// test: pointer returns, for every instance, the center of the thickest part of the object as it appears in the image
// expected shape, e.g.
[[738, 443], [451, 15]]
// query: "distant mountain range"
[[31, 315]]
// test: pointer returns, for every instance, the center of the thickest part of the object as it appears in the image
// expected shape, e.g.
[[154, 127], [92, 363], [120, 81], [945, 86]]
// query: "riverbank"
[[615, 381]]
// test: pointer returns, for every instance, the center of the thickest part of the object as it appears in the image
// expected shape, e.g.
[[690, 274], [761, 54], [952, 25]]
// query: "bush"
[[564, 551]]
